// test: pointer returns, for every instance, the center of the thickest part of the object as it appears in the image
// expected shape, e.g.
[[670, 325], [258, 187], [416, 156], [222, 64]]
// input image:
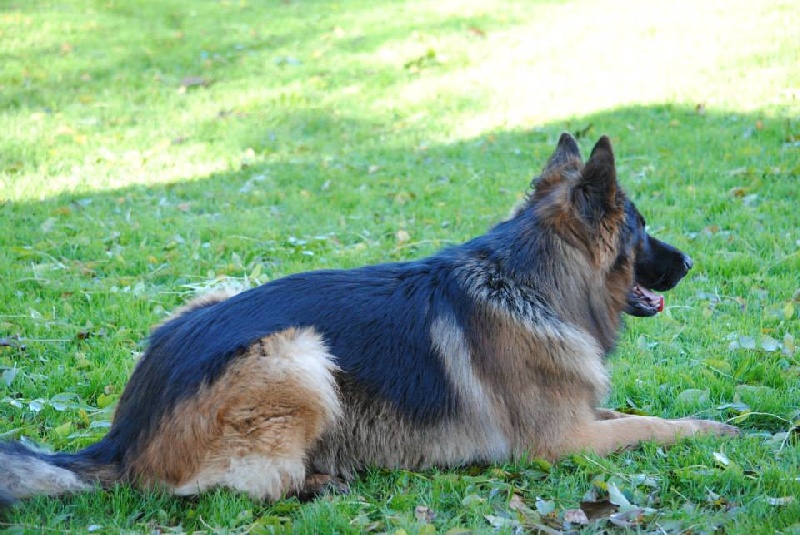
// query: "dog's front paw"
[[711, 427]]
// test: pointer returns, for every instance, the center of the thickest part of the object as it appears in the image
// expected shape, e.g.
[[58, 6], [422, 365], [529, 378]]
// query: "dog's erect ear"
[[598, 182], [566, 151]]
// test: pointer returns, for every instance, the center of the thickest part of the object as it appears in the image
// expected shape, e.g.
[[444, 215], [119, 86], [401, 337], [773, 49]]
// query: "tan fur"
[[540, 379], [251, 428], [482, 413]]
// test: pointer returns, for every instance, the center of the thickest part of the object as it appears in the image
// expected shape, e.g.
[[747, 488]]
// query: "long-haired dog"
[[483, 352]]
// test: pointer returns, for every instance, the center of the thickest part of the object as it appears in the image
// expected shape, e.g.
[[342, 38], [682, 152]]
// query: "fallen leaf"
[[715, 499], [472, 499], [104, 401], [738, 191], [756, 390], [722, 459], [516, 503], [545, 507], [82, 363], [596, 509], [630, 518], [576, 516], [424, 514], [778, 502], [694, 396], [500, 521], [616, 497], [8, 342], [738, 406], [770, 344], [9, 375], [788, 344], [63, 430]]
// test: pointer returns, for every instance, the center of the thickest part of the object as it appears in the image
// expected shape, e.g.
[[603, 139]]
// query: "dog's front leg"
[[617, 432]]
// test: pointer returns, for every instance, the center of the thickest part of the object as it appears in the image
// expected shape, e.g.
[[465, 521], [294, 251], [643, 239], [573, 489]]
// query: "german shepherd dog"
[[483, 352]]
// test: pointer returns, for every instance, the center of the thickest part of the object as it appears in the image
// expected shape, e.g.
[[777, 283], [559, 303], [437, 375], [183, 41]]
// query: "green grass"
[[318, 131]]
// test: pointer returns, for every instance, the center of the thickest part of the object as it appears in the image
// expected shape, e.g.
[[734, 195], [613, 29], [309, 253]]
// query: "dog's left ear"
[[566, 151], [597, 189], [567, 154]]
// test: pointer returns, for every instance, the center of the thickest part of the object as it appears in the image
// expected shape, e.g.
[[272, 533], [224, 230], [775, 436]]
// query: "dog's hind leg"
[[251, 429], [613, 433]]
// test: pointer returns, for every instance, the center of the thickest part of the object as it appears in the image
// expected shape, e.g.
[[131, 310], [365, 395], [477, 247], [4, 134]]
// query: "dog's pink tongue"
[[653, 298]]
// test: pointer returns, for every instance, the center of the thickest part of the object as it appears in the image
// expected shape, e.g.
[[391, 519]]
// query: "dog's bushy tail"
[[26, 472]]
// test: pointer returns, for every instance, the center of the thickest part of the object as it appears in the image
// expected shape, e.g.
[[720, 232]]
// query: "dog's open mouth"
[[643, 302]]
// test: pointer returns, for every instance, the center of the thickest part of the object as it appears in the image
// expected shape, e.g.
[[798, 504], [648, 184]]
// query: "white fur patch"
[[263, 478]]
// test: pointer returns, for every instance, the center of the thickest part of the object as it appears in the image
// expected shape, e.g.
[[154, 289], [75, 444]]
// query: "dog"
[[484, 352]]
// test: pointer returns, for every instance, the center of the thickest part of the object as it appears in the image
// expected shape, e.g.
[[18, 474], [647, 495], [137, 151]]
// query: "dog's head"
[[588, 209]]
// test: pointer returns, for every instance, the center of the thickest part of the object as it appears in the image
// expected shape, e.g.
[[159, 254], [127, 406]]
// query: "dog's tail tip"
[[28, 472]]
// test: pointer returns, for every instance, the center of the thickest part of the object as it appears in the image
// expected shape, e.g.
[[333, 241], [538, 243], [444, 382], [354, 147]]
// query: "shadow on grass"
[[310, 159]]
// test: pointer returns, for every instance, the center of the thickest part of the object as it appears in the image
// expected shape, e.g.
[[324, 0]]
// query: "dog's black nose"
[[687, 262]]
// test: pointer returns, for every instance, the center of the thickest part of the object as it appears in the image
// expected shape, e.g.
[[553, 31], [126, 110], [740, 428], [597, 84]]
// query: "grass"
[[154, 149]]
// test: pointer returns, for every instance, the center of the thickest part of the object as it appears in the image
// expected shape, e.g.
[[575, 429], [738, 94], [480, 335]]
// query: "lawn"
[[156, 149]]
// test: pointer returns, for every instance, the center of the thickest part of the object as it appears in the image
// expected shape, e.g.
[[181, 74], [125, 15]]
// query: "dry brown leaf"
[[424, 514], [598, 509], [576, 516]]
